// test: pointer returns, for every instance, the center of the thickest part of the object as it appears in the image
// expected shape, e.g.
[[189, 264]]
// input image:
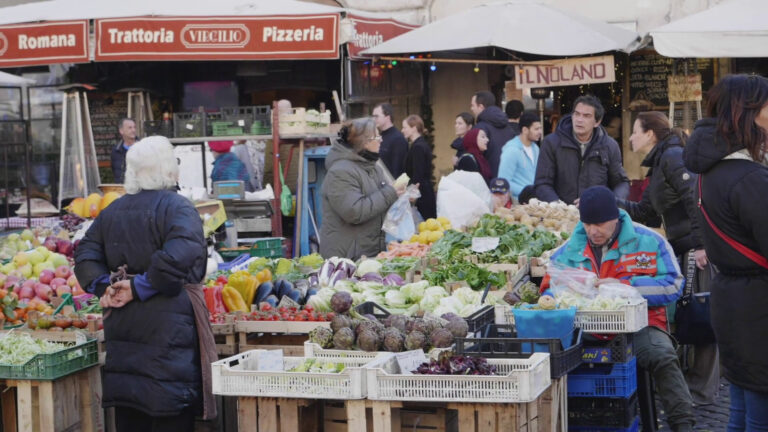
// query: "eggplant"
[[263, 291], [272, 300], [283, 288], [294, 295]]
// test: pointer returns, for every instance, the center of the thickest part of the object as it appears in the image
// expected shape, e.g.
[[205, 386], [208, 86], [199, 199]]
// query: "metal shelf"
[[247, 137]]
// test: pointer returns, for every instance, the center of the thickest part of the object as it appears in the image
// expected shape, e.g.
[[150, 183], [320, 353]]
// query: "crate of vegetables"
[[25, 357], [259, 373], [453, 378], [629, 317]]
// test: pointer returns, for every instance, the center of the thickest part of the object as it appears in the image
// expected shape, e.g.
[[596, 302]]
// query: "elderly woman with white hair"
[[145, 257]]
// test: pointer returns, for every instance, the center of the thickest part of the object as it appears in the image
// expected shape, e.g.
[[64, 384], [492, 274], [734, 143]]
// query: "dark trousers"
[[133, 420]]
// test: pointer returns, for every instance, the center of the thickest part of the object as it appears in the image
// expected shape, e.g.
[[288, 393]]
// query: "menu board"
[[106, 111], [649, 72]]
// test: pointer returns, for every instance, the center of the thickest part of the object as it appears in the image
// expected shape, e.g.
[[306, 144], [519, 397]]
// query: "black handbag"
[[692, 318]]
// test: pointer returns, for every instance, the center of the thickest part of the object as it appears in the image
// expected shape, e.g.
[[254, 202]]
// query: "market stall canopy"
[[7, 79], [523, 26], [736, 28]]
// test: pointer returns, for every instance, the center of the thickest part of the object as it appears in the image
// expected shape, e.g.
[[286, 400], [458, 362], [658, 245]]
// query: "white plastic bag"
[[399, 221], [572, 280], [463, 197]]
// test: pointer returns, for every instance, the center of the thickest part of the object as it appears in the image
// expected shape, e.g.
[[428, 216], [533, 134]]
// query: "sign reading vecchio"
[[220, 38], [46, 43], [575, 71], [370, 32]]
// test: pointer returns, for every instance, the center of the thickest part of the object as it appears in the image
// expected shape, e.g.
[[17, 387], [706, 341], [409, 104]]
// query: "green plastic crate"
[[268, 243], [54, 365], [275, 252]]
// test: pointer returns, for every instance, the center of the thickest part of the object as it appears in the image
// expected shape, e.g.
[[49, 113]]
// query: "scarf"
[[470, 146]]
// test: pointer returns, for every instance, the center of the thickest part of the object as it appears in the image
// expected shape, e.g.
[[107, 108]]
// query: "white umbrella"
[[737, 28], [522, 26], [58, 10], [7, 79]]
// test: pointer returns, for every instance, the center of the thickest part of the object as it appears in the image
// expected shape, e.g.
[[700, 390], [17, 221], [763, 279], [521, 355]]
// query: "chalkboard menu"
[[648, 73], [106, 110]]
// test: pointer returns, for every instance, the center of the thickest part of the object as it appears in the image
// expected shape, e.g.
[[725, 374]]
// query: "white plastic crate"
[[316, 351], [519, 381], [239, 375], [627, 319]]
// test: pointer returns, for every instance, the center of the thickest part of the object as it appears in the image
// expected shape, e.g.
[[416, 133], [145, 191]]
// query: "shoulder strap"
[[747, 252]]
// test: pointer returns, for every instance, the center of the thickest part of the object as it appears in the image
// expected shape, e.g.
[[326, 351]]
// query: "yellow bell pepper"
[[264, 276], [233, 300], [250, 290]]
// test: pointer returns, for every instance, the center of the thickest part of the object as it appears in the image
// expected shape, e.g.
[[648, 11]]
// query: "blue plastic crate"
[[609, 380], [237, 261], [620, 349], [635, 427]]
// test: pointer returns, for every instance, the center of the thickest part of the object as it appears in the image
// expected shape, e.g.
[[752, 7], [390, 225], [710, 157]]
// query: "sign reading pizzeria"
[[44, 43], [574, 71], [370, 32], [220, 38]]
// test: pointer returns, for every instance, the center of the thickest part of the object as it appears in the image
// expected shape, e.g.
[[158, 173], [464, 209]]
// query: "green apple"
[[26, 270], [44, 251], [58, 259], [13, 237], [35, 257], [39, 267], [20, 259], [8, 268], [27, 235]]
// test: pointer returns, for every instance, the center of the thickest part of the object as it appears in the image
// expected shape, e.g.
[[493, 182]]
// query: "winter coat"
[[118, 162], [639, 257], [563, 173], [229, 167], [458, 145], [734, 197], [467, 162], [355, 201], [496, 125], [517, 167], [153, 360], [418, 166], [393, 149], [670, 195]]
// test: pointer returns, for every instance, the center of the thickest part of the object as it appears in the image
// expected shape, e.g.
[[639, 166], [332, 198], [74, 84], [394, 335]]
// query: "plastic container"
[[480, 319], [620, 349], [372, 308], [54, 365], [189, 124], [501, 341], [226, 266], [604, 380], [628, 318], [536, 323], [613, 412], [635, 427]]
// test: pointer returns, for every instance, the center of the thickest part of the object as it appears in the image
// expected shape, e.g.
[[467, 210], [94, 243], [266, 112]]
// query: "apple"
[[43, 291], [43, 266], [57, 282], [63, 272], [58, 259], [72, 280], [35, 257], [11, 282], [26, 270], [29, 282], [50, 244], [63, 289], [2, 279], [27, 235], [44, 251], [46, 276], [20, 259], [13, 237], [26, 292], [8, 267]]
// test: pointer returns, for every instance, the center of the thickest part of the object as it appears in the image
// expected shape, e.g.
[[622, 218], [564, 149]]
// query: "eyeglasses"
[[376, 138]]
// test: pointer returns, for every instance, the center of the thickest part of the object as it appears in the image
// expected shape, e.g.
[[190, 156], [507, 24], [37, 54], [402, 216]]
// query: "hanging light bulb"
[[394, 62], [477, 68], [433, 67]]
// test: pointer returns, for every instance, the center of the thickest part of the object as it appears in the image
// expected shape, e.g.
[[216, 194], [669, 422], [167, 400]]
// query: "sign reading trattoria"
[[370, 32], [44, 43], [219, 38], [574, 71]]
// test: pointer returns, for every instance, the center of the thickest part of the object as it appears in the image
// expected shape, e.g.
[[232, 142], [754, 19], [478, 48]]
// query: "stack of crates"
[[262, 120], [602, 393]]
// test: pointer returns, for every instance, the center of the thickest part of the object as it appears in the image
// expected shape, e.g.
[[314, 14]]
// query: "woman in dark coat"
[[463, 124], [418, 165], [153, 374], [669, 194], [728, 151], [475, 143]]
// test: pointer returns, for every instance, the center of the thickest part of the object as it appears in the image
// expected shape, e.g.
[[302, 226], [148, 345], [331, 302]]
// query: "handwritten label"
[[270, 360], [484, 244], [288, 302], [410, 360]]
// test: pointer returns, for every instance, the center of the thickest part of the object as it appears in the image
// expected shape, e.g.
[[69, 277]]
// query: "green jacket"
[[355, 200]]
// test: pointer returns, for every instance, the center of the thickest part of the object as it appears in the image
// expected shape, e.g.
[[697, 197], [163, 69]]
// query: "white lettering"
[[312, 33], [133, 36], [46, 41]]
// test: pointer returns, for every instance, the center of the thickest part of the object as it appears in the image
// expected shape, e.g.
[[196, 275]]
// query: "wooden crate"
[[69, 403], [553, 406], [286, 335], [224, 336], [277, 415], [537, 266]]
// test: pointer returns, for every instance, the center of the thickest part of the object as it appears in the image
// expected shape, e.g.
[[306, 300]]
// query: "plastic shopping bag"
[[463, 197], [570, 280], [399, 222]]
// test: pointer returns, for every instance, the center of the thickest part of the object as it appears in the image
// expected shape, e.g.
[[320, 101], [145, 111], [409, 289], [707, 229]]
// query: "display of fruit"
[[431, 230], [92, 205], [554, 216], [267, 313]]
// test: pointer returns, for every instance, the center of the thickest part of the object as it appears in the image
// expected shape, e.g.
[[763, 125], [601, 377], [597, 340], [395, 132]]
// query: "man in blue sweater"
[[521, 154]]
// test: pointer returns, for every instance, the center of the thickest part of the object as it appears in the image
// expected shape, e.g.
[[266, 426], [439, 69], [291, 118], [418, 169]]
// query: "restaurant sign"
[[567, 72], [44, 43], [370, 32], [220, 38]]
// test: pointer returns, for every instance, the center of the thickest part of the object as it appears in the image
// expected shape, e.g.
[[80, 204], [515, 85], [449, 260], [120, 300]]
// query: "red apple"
[[63, 272], [46, 276], [65, 247], [58, 282], [63, 289], [26, 292], [50, 243], [43, 291]]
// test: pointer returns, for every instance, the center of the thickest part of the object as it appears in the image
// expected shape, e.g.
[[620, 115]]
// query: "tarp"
[[737, 28], [7, 79], [59, 10], [522, 26]]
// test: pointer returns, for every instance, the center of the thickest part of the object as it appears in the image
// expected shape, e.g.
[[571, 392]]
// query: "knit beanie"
[[597, 205]]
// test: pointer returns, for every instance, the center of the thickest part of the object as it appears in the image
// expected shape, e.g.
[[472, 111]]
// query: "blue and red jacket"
[[639, 257]]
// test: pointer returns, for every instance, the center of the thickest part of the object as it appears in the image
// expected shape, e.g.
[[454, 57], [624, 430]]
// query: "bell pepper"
[[250, 290], [264, 276], [233, 300], [219, 300], [210, 299]]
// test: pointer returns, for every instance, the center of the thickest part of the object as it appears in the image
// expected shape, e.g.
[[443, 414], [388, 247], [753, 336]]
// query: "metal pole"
[[63, 144]]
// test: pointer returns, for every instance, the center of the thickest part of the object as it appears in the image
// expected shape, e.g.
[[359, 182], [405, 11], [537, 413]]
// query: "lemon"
[[434, 225], [434, 236], [423, 227], [414, 238], [443, 220], [423, 237]]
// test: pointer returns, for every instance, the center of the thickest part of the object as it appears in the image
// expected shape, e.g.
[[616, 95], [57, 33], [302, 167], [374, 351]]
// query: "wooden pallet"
[[224, 336], [286, 335], [553, 406], [66, 404], [277, 415]]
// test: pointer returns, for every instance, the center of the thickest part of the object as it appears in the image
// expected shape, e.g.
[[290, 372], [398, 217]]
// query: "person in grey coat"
[[355, 194], [580, 154]]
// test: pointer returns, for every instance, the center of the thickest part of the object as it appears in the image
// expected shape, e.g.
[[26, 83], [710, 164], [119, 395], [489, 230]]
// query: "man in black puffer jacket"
[[495, 123], [580, 154], [152, 374]]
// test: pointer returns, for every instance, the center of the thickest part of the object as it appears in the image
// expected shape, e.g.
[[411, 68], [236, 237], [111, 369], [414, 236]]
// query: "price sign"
[[484, 244], [410, 360]]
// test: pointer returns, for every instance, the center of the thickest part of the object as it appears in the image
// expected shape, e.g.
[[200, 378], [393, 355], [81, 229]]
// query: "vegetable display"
[[450, 364], [312, 365], [475, 276], [17, 348], [555, 216]]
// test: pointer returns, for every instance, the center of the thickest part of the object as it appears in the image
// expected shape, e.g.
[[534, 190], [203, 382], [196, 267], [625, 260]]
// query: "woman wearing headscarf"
[[475, 143], [355, 194]]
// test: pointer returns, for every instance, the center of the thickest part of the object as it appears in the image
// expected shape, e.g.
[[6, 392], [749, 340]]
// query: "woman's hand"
[[701, 258]]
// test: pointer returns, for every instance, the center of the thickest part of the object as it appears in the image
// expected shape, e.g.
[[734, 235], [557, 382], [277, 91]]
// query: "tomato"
[[329, 316], [282, 309], [309, 308], [222, 280], [266, 307]]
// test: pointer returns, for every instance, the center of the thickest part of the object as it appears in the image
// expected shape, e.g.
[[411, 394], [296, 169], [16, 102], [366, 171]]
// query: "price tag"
[[484, 244], [270, 361], [241, 122], [189, 126], [288, 302], [80, 338], [410, 360]]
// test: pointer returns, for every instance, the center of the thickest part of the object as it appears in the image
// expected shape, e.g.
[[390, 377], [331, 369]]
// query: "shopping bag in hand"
[[399, 220]]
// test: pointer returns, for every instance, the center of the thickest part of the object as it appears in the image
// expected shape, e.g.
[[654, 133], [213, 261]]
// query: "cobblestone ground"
[[709, 418]]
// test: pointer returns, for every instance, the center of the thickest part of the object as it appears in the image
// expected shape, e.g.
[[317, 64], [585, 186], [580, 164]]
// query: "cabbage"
[[468, 310], [321, 301], [414, 291], [453, 303], [358, 298], [396, 298], [406, 310], [345, 285], [370, 286], [467, 296], [369, 266], [436, 291], [432, 298]]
